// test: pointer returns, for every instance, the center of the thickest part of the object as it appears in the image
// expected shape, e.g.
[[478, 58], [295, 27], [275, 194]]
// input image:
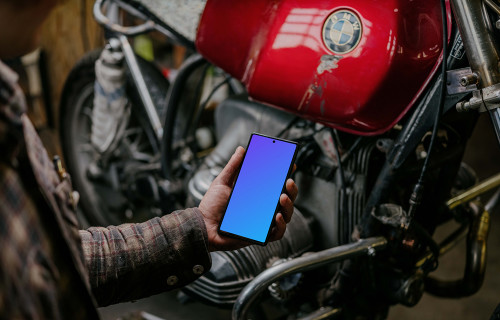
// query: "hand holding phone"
[[216, 199], [254, 200]]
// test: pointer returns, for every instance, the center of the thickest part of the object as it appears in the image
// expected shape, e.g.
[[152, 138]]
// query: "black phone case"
[[232, 235]]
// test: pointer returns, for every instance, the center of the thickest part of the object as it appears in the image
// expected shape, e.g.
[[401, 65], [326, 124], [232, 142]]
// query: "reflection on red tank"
[[355, 65]]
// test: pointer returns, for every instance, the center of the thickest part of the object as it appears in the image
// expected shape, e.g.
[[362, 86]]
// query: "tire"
[[108, 199]]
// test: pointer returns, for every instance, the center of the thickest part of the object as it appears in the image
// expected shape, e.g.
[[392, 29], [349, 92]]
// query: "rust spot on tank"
[[328, 63]]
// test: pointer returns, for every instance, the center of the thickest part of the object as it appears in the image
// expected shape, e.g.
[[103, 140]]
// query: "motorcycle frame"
[[482, 52], [119, 41], [483, 59]]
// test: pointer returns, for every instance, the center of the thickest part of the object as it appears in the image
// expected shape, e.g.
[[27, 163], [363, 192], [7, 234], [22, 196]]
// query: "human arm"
[[133, 261], [136, 260]]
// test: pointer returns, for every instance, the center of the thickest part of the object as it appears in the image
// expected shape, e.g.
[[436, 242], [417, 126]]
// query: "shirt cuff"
[[194, 258]]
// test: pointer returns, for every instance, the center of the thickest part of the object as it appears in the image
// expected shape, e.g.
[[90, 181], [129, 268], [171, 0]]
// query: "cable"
[[202, 108], [288, 126], [195, 99], [354, 146], [441, 94], [174, 95], [337, 154], [416, 195], [420, 231], [343, 207]]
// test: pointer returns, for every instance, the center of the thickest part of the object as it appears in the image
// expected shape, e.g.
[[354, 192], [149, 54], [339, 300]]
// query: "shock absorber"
[[110, 100]]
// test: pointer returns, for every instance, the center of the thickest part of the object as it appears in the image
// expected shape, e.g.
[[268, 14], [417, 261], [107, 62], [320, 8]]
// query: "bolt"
[[468, 80], [371, 252], [462, 106]]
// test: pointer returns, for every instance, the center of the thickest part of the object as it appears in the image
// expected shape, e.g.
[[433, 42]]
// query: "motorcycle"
[[382, 97]]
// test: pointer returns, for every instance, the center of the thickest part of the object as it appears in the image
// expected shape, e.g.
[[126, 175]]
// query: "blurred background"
[[71, 31]]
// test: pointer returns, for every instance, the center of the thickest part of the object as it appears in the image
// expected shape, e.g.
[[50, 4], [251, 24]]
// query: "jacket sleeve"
[[133, 261]]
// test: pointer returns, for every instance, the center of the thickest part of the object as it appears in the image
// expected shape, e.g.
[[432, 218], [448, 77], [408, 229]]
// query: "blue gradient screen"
[[257, 190]]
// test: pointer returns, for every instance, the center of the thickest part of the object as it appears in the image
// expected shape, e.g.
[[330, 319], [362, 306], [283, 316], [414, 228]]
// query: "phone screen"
[[255, 197]]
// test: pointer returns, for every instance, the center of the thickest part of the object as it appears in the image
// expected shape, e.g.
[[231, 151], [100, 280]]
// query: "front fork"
[[473, 25], [119, 42]]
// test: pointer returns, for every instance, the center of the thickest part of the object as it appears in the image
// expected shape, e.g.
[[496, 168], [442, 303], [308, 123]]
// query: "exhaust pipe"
[[475, 265], [311, 261]]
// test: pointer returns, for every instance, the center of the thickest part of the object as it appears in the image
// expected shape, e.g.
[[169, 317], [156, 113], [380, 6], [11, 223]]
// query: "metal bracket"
[[485, 100], [459, 81]]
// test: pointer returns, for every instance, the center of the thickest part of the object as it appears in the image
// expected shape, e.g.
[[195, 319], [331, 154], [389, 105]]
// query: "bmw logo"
[[342, 31]]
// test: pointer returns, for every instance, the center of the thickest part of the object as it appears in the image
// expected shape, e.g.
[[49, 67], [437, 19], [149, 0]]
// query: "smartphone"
[[254, 200]]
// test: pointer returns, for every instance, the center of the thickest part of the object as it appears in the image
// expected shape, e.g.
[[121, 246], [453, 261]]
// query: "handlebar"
[[127, 31]]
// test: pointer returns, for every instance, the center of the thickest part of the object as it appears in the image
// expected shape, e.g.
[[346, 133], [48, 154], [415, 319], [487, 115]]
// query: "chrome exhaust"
[[312, 261]]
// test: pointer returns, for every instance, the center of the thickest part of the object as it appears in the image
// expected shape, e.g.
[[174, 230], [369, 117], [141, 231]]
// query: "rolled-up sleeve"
[[132, 261]]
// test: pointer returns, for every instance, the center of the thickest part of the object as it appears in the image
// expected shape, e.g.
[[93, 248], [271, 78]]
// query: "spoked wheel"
[[121, 184]]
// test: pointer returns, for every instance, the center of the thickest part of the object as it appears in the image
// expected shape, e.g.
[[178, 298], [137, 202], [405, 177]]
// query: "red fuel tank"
[[356, 65]]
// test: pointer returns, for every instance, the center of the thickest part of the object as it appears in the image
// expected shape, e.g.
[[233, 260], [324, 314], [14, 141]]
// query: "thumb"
[[228, 174]]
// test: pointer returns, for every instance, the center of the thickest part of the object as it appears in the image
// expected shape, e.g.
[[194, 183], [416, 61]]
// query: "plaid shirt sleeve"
[[132, 261]]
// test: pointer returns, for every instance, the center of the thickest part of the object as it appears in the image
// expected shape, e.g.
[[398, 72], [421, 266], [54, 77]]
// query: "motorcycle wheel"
[[109, 198]]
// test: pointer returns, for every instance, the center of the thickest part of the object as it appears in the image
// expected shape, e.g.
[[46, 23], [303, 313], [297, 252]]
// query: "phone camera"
[[274, 141]]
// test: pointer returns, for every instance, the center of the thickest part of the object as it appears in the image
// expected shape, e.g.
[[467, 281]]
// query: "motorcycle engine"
[[232, 270], [318, 208]]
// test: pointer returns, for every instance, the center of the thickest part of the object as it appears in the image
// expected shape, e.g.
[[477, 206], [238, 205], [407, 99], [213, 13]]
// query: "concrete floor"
[[483, 154]]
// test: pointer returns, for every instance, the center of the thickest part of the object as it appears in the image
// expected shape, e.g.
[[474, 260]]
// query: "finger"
[[279, 228], [286, 207], [291, 189], [228, 174], [294, 168]]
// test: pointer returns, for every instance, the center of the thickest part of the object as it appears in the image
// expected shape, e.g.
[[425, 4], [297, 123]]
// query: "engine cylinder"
[[232, 270]]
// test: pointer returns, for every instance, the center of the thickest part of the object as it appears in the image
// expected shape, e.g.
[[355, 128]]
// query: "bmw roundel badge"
[[342, 31]]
